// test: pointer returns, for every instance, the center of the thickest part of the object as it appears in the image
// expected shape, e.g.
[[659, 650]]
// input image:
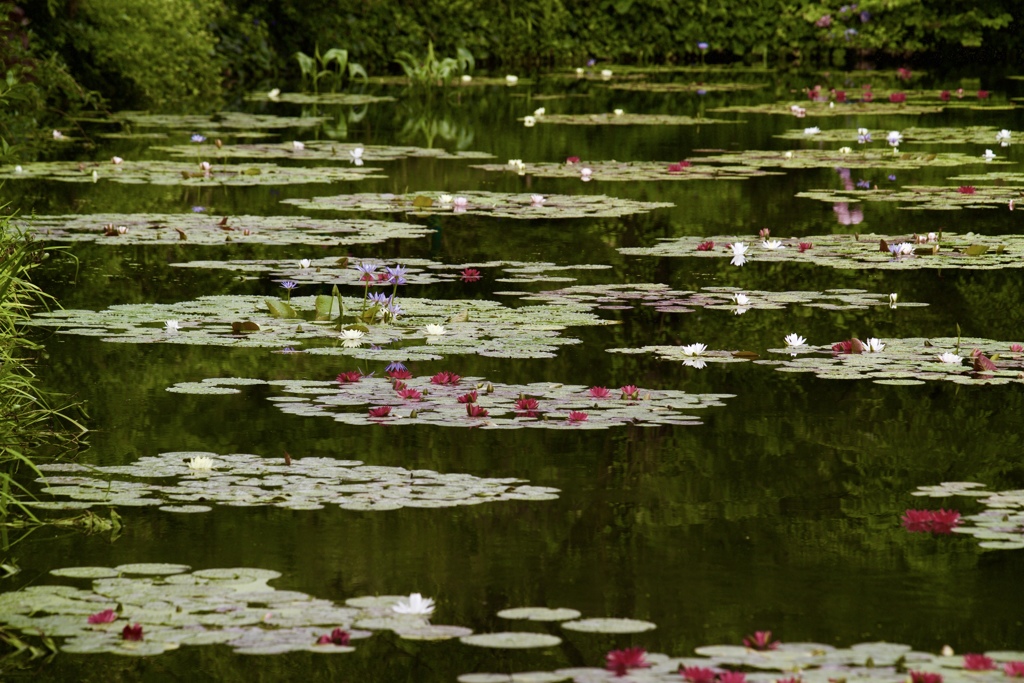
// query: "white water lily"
[[356, 155], [171, 326], [516, 163], [695, 363], [298, 146], [874, 345], [352, 334], [579, 71], [606, 74], [414, 604], [788, 155], [845, 150], [989, 155], [795, 340], [200, 462], [529, 121], [116, 160], [951, 358], [813, 130], [772, 245], [862, 131], [1002, 137], [274, 94], [739, 311], [892, 299], [204, 166], [619, 112], [466, 78], [304, 263], [739, 253], [537, 199], [740, 299], [57, 135], [693, 349], [798, 111], [445, 199], [434, 330], [586, 174], [19, 169], [96, 175], [902, 249], [539, 112], [511, 79], [894, 138]]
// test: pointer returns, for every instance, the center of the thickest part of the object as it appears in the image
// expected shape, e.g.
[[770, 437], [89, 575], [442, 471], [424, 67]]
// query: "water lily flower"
[[813, 130], [697, 674], [864, 184], [517, 164], [740, 299], [445, 199], [761, 640], [621, 661], [1003, 137], [944, 95], [197, 138], [764, 233], [171, 326], [57, 135], [983, 94], [577, 416], [356, 155], [529, 121], [680, 167], [395, 366], [977, 662], [511, 79], [352, 334], [863, 135], [116, 160], [204, 166], [1017, 348], [537, 199], [473, 410], [894, 138], [931, 521], [804, 246], [947, 651], [445, 378], [901, 249], [618, 112], [795, 340], [959, 93], [466, 78], [732, 677], [470, 275], [337, 637], [898, 97], [539, 112], [772, 245], [693, 349], [349, 377], [200, 462], [460, 202], [569, 161], [410, 394], [107, 616], [630, 391], [579, 71], [606, 74], [951, 358], [739, 253], [586, 174], [874, 345], [989, 155], [274, 94], [925, 677], [434, 330], [798, 111], [599, 392], [298, 146], [528, 404], [304, 263], [132, 632], [469, 397], [845, 150], [706, 246], [380, 411], [698, 363], [788, 154], [1014, 669], [702, 46]]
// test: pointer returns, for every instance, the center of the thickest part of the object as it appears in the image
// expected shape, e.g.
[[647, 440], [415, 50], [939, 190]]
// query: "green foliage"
[[431, 71], [319, 66]]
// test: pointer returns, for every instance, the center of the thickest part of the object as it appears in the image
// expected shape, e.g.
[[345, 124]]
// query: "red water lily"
[[400, 374], [840, 95], [761, 640], [925, 677], [898, 97], [1014, 669], [444, 378], [630, 392], [804, 246], [132, 632], [572, 160], [976, 662], [621, 661], [470, 275], [732, 677], [966, 189], [903, 73], [931, 521], [577, 416], [527, 404], [697, 674], [983, 94], [349, 377], [337, 637], [1017, 348], [107, 616], [410, 394], [467, 398], [944, 96], [380, 411], [706, 246], [473, 410], [599, 392], [678, 168]]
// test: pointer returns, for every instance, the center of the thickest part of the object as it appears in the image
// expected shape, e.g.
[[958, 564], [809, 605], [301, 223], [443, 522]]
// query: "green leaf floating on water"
[[684, 87], [223, 120], [627, 119], [199, 228], [181, 173], [908, 361], [1000, 526], [331, 98], [497, 204], [813, 109], [282, 309], [320, 150], [512, 640], [925, 197], [539, 613], [609, 626], [857, 251], [508, 406], [856, 158], [616, 171], [244, 480], [491, 330], [977, 135]]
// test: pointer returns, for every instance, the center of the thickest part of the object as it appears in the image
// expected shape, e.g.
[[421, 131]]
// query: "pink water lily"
[[621, 661], [761, 640], [107, 616]]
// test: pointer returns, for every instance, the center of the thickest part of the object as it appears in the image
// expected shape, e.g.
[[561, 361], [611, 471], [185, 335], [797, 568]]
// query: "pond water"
[[762, 488]]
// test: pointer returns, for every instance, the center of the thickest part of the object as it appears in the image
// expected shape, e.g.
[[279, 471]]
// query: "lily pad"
[[819, 109], [511, 640], [195, 228], [296, 484], [539, 613], [694, 87], [496, 204], [223, 120], [609, 626], [616, 171], [943, 135], [506, 406], [1000, 526], [627, 119], [857, 251], [319, 150], [924, 197], [856, 158], [331, 98], [149, 172]]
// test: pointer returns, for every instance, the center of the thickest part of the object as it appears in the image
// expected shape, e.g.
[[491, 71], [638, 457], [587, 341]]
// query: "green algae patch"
[[316, 150], [252, 481], [496, 204], [475, 403], [627, 171], [199, 228]]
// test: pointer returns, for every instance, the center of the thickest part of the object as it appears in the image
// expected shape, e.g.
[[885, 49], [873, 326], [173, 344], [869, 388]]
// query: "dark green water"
[[782, 511]]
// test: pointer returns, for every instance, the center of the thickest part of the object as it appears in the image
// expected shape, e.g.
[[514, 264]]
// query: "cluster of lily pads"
[[448, 400], [999, 526]]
